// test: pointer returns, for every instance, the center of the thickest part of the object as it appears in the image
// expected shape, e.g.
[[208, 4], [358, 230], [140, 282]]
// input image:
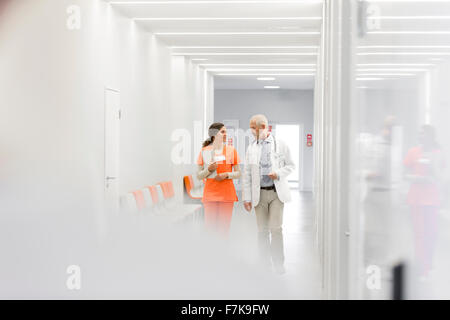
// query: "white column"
[[334, 142]]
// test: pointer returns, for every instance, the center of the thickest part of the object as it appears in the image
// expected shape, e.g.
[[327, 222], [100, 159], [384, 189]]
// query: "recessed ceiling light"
[[271, 87], [199, 59], [265, 78]]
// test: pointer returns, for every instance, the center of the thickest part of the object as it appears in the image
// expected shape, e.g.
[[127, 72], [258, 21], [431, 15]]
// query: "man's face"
[[258, 132]]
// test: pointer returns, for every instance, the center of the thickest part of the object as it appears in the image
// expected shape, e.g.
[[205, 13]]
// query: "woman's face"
[[222, 134]]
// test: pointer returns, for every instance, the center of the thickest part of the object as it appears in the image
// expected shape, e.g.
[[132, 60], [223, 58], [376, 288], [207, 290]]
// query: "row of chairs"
[[193, 187], [160, 200]]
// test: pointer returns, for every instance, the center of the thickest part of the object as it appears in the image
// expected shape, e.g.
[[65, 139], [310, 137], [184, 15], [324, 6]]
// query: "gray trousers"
[[269, 218]]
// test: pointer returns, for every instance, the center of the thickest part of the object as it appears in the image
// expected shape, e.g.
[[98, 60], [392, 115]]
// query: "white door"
[[112, 138], [292, 133]]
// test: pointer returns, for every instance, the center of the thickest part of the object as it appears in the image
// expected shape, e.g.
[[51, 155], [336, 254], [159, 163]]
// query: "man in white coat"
[[268, 162]]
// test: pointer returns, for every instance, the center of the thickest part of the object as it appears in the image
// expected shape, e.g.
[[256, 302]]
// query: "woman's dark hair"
[[212, 131]]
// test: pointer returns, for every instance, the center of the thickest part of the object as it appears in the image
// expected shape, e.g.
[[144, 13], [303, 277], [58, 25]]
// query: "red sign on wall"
[[309, 140]]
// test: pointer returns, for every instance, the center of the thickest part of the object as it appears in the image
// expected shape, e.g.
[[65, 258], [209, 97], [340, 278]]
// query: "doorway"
[[112, 144], [291, 133]]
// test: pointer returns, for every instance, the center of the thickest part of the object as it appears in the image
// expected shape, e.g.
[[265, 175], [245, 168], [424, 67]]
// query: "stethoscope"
[[276, 154]]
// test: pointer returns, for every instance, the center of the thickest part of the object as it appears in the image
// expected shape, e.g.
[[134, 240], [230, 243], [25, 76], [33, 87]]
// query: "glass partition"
[[400, 61]]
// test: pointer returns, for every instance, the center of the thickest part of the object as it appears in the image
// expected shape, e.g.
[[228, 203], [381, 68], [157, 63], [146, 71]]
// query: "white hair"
[[259, 119]]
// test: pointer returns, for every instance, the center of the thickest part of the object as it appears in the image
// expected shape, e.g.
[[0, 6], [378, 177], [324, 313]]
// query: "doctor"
[[267, 164]]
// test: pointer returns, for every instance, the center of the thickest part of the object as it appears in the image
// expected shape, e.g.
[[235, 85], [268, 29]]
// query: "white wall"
[[52, 84], [280, 106]]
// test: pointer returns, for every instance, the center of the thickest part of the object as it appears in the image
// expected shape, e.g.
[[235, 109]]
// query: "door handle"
[[110, 178]]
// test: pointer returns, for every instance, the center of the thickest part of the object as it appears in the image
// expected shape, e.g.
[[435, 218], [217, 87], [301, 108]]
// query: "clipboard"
[[218, 158], [208, 158]]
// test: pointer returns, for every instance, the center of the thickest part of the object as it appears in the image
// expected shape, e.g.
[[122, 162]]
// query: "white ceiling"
[[242, 82], [409, 39], [239, 37]]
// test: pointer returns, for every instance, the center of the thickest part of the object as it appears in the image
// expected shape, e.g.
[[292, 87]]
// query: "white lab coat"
[[282, 165]]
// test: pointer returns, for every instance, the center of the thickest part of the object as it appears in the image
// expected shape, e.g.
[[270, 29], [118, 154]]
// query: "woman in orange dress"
[[426, 165], [218, 163]]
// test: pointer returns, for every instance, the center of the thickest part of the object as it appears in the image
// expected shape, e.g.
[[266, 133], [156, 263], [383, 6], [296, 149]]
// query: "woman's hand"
[[221, 176], [212, 167]]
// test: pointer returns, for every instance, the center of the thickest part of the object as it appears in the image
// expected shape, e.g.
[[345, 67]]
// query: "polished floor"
[[302, 277], [148, 259]]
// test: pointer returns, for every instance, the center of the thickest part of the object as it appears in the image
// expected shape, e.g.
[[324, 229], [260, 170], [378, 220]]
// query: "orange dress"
[[424, 194], [220, 191]]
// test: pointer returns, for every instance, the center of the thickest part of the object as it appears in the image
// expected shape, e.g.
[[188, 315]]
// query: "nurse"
[[218, 163], [426, 166]]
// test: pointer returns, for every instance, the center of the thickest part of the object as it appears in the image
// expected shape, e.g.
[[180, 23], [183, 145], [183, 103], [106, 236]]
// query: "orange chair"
[[140, 202], [190, 188], [167, 188], [160, 199], [154, 194], [179, 210], [152, 199]]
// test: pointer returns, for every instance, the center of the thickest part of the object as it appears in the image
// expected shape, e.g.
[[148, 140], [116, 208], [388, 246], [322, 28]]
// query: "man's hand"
[[212, 167], [248, 206], [273, 176], [371, 176], [221, 176]]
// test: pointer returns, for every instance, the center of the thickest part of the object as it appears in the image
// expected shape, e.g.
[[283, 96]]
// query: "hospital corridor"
[[224, 150]]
